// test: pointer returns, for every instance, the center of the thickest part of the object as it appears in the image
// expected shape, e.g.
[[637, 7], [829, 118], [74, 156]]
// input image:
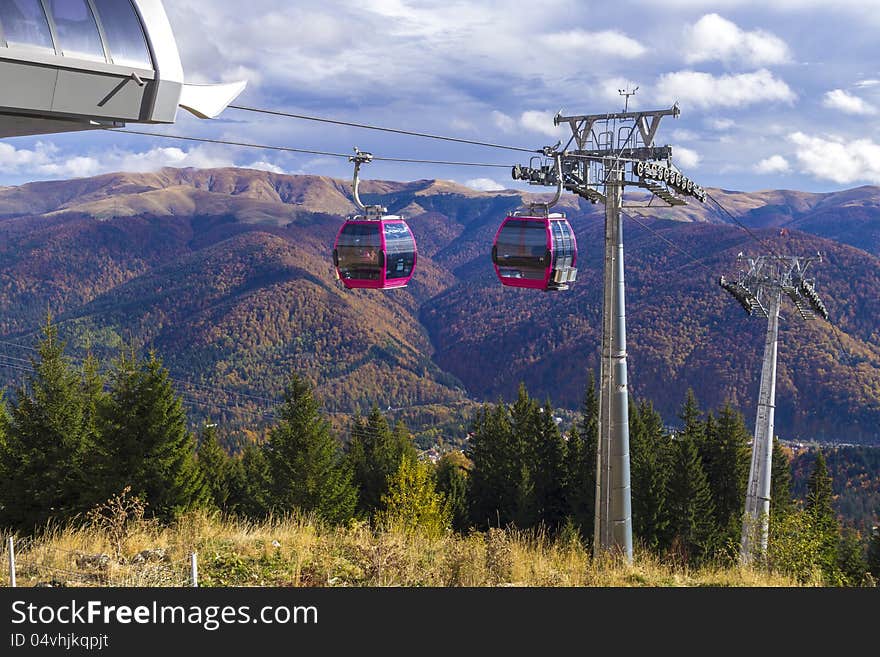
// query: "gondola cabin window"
[[24, 23], [522, 250], [124, 33], [76, 29], [400, 251], [359, 251]]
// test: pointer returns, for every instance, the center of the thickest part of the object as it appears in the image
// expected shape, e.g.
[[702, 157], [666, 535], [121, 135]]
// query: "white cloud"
[[680, 134], [262, 165], [462, 125], [847, 102], [715, 38], [706, 90], [46, 160], [721, 125], [540, 122], [484, 185], [773, 164], [607, 42], [867, 83], [503, 122], [200, 157], [685, 157], [834, 158]]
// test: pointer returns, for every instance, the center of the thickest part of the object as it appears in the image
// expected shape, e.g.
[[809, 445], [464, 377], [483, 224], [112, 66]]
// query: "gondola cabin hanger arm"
[[373, 250]]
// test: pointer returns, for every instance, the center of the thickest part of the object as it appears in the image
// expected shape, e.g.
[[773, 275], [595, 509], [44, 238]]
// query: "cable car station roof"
[[68, 65]]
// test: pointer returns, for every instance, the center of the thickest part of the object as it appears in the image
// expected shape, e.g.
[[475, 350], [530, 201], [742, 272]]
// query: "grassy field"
[[299, 552]]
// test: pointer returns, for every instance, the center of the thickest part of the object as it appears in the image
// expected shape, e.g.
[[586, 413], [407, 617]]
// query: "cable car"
[[373, 250], [536, 250], [70, 65]]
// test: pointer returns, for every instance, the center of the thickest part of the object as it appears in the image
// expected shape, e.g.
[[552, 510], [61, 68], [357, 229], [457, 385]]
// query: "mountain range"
[[227, 275]]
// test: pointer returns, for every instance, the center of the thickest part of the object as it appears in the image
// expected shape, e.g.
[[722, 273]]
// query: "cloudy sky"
[[773, 93]]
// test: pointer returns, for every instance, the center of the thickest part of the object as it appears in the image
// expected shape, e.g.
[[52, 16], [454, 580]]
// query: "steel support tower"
[[759, 291], [614, 151]]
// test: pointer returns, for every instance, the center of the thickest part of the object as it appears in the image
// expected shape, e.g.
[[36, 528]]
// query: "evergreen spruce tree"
[[524, 419], [851, 562], [308, 469], [146, 440], [691, 416], [548, 471], [651, 468], [497, 474], [690, 503], [96, 489], [250, 484], [412, 503], [5, 457], [874, 553], [581, 464], [726, 459], [819, 507], [374, 454], [780, 482], [215, 466], [47, 439], [452, 476]]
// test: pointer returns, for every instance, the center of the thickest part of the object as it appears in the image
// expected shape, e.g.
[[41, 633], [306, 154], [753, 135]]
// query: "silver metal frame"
[[759, 290], [370, 211]]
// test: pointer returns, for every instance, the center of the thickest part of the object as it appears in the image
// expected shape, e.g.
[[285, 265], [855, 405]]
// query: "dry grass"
[[298, 551]]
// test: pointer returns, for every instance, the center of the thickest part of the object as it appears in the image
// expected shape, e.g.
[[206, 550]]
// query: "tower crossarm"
[[770, 275]]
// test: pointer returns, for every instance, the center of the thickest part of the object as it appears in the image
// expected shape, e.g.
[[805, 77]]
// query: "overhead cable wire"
[[365, 126], [290, 149], [741, 225], [658, 235]]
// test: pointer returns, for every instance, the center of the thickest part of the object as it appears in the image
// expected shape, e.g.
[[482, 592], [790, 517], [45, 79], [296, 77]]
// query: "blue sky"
[[773, 94]]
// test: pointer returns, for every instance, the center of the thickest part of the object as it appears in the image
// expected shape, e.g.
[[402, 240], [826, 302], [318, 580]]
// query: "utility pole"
[[615, 151], [759, 291]]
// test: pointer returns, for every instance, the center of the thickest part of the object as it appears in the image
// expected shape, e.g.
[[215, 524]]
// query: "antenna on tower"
[[627, 93], [759, 291]]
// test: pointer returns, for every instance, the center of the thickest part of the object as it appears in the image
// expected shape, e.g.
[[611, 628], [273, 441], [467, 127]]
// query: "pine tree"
[[851, 561], [412, 503], [780, 482], [819, 506], [691, 416], [874, 553], [726, 457], [306, 461], [215, 466], [250, 483], [95, 489], [651, 469], [547, 455], [374, 454], [452, 476], [581, 464], [146, 440], [47, 439], [497, 475], [5, 457], [690, 503], [524, 423]]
